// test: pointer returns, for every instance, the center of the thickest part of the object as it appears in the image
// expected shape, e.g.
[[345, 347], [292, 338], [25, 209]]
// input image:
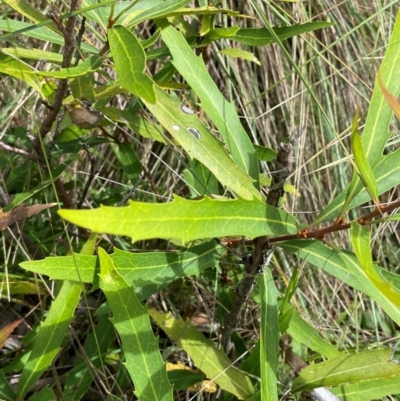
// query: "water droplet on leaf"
[[176, 127]]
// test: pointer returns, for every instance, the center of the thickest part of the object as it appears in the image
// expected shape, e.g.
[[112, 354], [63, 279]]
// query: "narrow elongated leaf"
[[79, 378], [392, 100], [262, 36], [20, 70], [187, 129], [269, 337], [347, 368], [344, 266], [212, 361], [50, 335], [304, 333], [376, 131], [138, 269], [364, 169], [91, 64], [24, 8], [239, 53], [368, 390], [221, 112], [6, 392], [37, 32], [52, 331], [185, 220], [33, 54], [130, 318], [130, 63], [387, 175], [154, 9], [360, 239]]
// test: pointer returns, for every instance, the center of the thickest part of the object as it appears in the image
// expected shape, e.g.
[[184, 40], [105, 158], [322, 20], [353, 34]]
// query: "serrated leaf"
[[130, 63], [138, 269], [239, 53], [140, 346], [347, 368], [221, 112], [212, 361], [187, 129], [186, 220], [91, 64]]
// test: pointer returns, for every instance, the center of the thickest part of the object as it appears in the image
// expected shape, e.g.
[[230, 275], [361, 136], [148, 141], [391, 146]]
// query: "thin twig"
[[92, 174], [60, 93]]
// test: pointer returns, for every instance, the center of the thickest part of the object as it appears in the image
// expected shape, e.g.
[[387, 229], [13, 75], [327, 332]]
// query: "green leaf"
[[20, 70], [387, 175], [262, 37], [342, 265], [361, 239], [368, 390], [210, 360], [6, 392], [79, 378], [269, 337], [264, 154], [140, 346], [138, 269], [239, 53], [91, 64], [50, 336], [23, 196], [51, 332], [128, 159], [347, 368], [45, 394], [140, 125], [37, 32], [304, 333], [152, 10], [221, 112], [376, 131], [32, 13], [187, 129], [364, 169], [186, 220], [130, 63], [33, 54]]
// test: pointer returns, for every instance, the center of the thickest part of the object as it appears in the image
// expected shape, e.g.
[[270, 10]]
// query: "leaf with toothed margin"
[[186, 220]]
